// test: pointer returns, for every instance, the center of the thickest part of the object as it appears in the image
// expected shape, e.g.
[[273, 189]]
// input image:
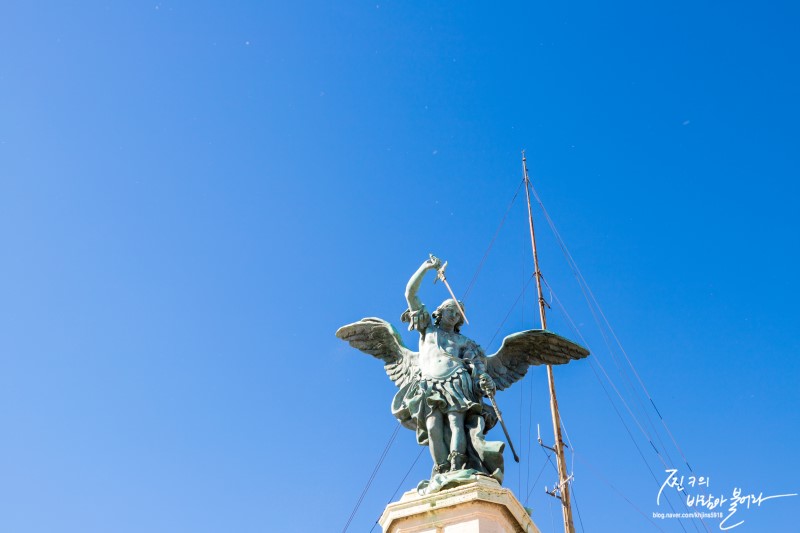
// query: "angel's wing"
[[379, 339], [532, 347]]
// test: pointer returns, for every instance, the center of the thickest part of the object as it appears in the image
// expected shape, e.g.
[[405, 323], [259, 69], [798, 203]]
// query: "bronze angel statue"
[[442, 386]]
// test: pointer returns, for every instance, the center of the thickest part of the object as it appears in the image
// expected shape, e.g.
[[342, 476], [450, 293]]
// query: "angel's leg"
[[435, 425], [458, 441]]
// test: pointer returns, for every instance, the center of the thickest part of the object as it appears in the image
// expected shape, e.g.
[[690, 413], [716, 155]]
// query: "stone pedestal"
[[480, 507]]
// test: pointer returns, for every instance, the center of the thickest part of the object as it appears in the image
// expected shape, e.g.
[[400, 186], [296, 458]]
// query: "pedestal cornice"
[[480, 507]]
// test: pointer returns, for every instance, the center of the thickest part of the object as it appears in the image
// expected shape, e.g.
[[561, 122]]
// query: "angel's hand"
[[487, 385], [433, 263]]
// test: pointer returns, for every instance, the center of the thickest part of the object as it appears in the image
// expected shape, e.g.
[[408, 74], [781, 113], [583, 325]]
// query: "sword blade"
[[460, 309], [503, 425]]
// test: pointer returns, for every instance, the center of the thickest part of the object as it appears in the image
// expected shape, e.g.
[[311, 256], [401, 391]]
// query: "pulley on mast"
[[558, 447]]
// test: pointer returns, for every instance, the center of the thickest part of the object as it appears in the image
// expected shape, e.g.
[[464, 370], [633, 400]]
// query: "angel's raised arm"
[[414, 303]]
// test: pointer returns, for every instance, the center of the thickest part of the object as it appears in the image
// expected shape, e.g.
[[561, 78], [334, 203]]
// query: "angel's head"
[[447, 315]]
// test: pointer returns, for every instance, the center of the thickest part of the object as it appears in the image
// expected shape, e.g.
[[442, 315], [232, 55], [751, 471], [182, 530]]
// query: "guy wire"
[[372, 477]]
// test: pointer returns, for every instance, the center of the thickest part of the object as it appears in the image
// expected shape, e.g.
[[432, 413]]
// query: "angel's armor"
[[449, 367], [448, 364]]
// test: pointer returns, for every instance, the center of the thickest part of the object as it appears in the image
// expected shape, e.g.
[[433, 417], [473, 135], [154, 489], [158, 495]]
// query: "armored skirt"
[[420, 398]]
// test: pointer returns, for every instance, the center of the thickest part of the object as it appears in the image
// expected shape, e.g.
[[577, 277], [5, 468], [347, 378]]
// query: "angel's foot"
[[441, 468], [457, 460]]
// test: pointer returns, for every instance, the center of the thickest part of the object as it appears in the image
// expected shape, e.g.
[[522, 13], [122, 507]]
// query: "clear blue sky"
[[195, 195]]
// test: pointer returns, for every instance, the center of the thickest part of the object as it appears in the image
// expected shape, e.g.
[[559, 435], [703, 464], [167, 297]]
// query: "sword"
[[440, 276], [503, 424]]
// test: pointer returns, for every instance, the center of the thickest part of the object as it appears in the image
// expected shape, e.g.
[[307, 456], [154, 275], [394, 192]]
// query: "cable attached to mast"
[[563, 478]]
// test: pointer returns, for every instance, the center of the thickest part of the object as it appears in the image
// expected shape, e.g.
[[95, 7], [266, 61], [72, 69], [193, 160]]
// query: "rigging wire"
[[622, 373], [549, 460], [592, 362], [513, 306], [510, 311], [491, 243], [528, 440], [572, 455], [627, 407], [607, 482], [528, 485], [410, 468], [590, 299], [522, 442], [526, 456], [372, 477], [577, 507], [582, 282], [585, 289], [637, 447], [544, 465]]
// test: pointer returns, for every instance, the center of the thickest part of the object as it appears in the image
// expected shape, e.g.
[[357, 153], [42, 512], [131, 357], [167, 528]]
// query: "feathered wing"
[[379, 339], [526, 348]]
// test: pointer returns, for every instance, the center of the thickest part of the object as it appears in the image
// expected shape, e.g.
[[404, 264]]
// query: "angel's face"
[[450, 316]]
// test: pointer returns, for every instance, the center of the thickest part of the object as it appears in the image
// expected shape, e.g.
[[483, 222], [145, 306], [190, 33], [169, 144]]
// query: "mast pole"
[[563, 478]]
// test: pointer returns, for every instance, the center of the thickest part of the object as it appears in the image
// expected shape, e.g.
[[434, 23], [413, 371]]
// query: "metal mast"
[[563, 477]]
